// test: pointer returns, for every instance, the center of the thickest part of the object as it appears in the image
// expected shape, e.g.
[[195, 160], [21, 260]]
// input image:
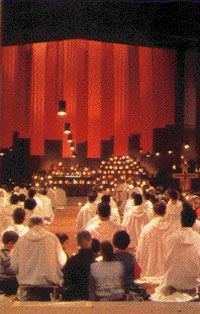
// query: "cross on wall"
[[185, 177]]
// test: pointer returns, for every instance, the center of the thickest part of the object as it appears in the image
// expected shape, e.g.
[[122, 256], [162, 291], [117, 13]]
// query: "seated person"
[[183, 257], [95, 247], [18, 218], [8, 282], [121, 241], [37, 260], [107, 278], [77, 270]]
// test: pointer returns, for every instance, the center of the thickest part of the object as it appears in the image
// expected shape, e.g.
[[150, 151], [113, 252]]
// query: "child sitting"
[[121, 241], [8, 282]]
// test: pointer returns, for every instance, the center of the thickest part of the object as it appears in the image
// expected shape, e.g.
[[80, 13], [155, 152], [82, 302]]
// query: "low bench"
[[54, 288]]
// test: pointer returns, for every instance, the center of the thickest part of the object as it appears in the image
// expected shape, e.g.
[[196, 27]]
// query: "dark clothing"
[[76, 275], [8, 282], [128, 261]]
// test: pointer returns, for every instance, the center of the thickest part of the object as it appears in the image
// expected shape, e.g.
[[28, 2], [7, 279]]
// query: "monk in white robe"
[[103, 228], [182, 263], [87, 212], [60, 198], [134, 220], [150, 252]]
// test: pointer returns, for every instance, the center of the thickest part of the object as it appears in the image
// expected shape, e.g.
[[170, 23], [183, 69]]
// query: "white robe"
[[86, 213], [38, 257], [182, 260], [46, 209], [151, 253], [133, 223], [103, 230], [60, 198], [19, 228]]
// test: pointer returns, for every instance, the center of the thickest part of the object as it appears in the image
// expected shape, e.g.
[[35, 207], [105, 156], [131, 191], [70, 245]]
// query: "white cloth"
[[38, 257], [20, 229], [8, 215], [60, 198], [182, 260], [103, 230], [133, 223], [52, 195], [151, 253], [128, 206], [46, 209], [86, 213], [147, 206]]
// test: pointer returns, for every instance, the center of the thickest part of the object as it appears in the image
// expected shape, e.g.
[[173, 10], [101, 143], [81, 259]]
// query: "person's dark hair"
[[31, 193], [30, 204], [62, 237], [107, 251], [137, 199], [14, 199], [121, 239], [173, 194], [104, 210], [105, 199], [35, 221], [188, 215], [147, 195], [10, 236], [159, 208], [95, 245], [132, 195], [83, 235], [43, 192], [19, 216], [92, 196], [22, 197]]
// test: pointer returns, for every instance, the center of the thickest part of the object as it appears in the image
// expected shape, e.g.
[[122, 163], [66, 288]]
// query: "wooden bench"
[[53, 287]]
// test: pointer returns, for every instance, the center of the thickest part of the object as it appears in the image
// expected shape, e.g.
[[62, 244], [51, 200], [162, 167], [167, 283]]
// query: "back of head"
[[35, 221], [30, 204], [121, 239], [159, 208], [14, 199], [137, 199], [82, 237], [92, 196], [188, 215], [104, 210], [95, 245], [10, 236], [31, 193], [43, 192], [173, 194], [19, 216], [107, 251], [22, 197], [62, 237], [105, 199]]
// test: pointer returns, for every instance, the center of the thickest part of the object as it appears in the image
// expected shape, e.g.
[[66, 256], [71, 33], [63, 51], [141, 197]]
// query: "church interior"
[[95, 93]]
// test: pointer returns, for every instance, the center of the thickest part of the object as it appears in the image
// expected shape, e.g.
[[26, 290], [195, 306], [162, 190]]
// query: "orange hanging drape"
[[111, 90]]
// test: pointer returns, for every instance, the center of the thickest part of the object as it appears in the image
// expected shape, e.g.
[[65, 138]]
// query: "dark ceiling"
[[171, 24]]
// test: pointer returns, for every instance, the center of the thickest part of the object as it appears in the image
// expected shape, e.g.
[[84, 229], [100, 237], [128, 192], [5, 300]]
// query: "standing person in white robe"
[[103, 228], [135, 219], [87, 212], [46, 206], [150, 253], [147, 204], [37, 258], [105, 191], [60, 198], [183, 257], [174, 209]]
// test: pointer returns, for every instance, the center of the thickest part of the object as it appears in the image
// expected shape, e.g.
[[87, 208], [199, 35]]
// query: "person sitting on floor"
[[107, 277], [76, 271], [18, 218], [8, 281], [103, 228], [182, 264]]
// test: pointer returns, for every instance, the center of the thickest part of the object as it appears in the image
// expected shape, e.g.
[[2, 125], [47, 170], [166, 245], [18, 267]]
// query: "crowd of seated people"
[[156, 241]]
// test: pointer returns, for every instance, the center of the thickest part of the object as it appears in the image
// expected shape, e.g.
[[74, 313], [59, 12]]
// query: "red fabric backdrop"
[[110, 90]]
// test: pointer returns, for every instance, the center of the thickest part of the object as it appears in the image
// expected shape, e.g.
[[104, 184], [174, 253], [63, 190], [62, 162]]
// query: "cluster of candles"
[[109, 173]]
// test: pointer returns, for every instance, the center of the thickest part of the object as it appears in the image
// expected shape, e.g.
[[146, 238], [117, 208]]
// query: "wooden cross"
[[185, 177]]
